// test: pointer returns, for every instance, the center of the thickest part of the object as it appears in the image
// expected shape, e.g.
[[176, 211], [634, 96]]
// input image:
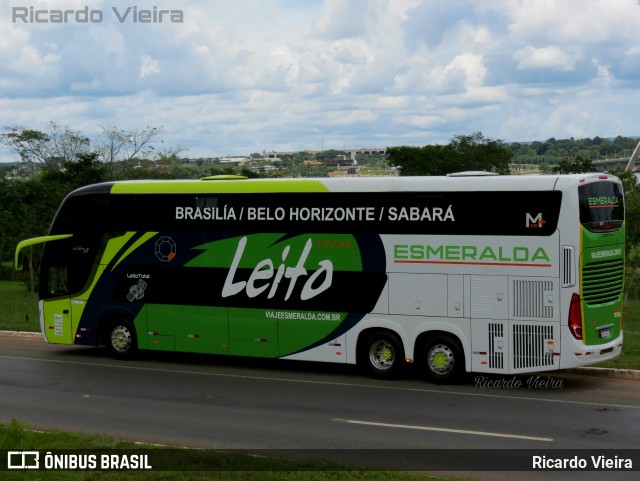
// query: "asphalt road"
[[215, 402]]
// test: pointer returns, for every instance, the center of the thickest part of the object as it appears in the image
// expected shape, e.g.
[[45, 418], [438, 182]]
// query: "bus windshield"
[[67, 265], [601, 206]]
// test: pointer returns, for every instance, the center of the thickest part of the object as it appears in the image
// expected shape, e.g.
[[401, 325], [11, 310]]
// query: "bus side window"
[[58, 281]]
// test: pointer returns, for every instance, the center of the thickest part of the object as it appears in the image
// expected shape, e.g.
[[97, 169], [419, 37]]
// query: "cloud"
[[551, 57], [249, 75], [149, 66]]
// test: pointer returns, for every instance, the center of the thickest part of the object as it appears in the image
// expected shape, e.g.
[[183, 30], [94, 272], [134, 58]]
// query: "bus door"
[[55, 299], [66, 270], [57, 309]]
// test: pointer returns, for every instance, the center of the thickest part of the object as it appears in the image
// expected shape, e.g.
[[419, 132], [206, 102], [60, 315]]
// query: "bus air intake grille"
[[567, 267], [529, 299], [602, 281], [496, 356], [530, 346]]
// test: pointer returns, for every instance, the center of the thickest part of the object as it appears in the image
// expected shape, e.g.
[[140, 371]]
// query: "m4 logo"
[[535, 222]]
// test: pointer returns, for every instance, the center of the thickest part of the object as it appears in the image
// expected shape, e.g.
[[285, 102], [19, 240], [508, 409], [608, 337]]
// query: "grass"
[[18, 309], [220, 466], [630, 357]]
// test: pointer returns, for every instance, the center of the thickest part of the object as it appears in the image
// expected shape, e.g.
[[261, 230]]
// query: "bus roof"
[[343, 184]]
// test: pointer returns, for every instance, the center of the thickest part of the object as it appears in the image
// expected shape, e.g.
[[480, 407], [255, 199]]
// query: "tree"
[[119, 145], [331, 154], [475, 152], [628, 178], [28, 205], [10, 203], [578, 165], [57, 147], [632, 231], [405, 158], [464, 152], [48, 150], [85, 170]]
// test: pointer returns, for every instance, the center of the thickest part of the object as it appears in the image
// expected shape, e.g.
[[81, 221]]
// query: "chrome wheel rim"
[[441, 359], [121, 339], [382, 355]]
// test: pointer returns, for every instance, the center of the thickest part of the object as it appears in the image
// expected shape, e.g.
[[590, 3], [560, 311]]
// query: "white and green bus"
[[492, 274]]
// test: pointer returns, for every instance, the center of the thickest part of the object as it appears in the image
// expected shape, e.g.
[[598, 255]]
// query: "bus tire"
[[121, 339], [443, 359], [381, 354]]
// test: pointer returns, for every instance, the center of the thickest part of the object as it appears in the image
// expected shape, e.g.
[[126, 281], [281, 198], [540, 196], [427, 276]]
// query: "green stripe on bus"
[[221, 187], [137, 244]]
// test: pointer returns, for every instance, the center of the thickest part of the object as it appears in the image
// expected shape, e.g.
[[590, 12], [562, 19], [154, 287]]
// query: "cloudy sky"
[[232, 77]]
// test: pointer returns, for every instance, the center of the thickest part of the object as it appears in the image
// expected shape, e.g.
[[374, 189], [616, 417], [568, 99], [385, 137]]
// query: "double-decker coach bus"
[[495, 274]]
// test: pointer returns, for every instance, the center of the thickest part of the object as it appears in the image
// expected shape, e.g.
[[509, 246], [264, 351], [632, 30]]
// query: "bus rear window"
[[601, 206]]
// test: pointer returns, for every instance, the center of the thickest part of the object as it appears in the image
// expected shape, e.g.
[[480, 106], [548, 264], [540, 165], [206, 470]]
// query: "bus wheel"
[[443, 359], [382, 355], [121, 339]]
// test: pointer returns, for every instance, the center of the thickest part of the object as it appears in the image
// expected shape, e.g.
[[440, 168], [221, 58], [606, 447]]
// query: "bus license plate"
[[604, 333]]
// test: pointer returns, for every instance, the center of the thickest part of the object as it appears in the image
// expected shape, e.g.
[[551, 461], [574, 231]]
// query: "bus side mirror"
[[32, 242], [19, 260]]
